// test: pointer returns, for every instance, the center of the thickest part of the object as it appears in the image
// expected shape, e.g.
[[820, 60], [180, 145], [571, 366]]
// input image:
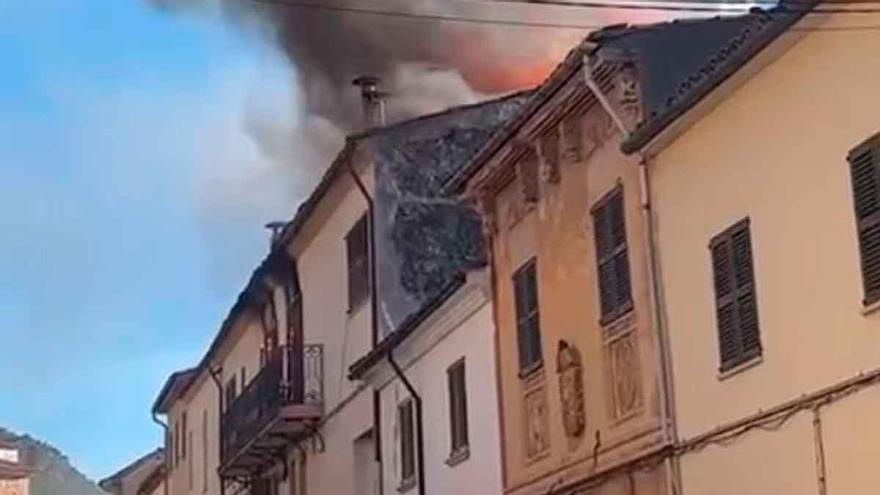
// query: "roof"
[[407, 328], [156, 456], [681, 62], [463, 143], [152, 481], [172, 389]]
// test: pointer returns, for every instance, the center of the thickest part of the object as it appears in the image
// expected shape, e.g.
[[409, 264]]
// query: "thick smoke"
[[425, 64]]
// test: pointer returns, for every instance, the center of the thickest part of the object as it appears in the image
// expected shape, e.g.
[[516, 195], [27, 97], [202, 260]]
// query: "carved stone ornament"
[[527, 175], [572, 138], [486, 207], [629, 96], [600, 128], [571, 389], [537, 423], [626, 382], [548, 149]]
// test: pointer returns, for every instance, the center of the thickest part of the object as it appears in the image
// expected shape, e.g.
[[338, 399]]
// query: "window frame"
[[733, 299], [459, 440], [358, 293], [870, 295], [532, 358], [407, 444], [611, 311]]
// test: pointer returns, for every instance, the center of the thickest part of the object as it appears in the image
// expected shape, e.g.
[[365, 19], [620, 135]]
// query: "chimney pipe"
[[373, 101], [276, 228]]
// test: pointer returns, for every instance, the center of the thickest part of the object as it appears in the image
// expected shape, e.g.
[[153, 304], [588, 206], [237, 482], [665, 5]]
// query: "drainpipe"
[[215, 376], [663, 351], [374, 303], [420, 446], [166, 450]]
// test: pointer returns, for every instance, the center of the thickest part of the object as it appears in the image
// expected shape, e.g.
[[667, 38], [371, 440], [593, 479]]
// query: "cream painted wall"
[[775, 151], [345, 336], [474, 340]]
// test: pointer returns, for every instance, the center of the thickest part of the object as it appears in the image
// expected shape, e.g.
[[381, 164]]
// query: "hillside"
[[53, 474]]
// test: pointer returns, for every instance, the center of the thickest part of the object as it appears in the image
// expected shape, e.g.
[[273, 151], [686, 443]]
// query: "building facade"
[[434, 371], [582, 393], [764, 179], [14, 477]]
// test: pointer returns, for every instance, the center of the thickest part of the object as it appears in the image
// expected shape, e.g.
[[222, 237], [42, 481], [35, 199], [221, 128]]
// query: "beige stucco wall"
[[322, 265], [775, 151], [459, 329], [559, 231], [14, 487]]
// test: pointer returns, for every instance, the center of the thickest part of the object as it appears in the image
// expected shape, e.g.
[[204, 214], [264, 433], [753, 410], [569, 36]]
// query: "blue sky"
[[132, 199]]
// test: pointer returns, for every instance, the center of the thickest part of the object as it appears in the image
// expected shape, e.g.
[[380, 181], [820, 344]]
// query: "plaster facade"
[[538, 191], [771, 145]]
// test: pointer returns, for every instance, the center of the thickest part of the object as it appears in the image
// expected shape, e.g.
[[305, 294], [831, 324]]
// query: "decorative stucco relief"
[[571, 389], [572, 137], [548, 149], [537, 422], [527, 174], [626, 384], [629, 96]]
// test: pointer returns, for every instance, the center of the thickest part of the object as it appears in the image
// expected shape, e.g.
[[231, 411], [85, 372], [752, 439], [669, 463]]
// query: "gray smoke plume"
[[425, 64]]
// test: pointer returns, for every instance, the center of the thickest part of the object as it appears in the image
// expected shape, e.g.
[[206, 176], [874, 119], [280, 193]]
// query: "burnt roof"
[[421, 159]]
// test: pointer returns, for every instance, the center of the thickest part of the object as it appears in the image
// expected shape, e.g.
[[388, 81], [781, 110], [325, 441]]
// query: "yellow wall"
[[775, 151], [559, 232]]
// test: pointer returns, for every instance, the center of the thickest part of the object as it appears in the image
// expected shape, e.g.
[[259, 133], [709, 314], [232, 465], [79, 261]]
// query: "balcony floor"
[[267, 447]]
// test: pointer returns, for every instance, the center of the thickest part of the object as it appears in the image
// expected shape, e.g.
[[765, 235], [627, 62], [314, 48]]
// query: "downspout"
[[663, 351], [420, 447], [215, 377], [374, 312], [166, 449]]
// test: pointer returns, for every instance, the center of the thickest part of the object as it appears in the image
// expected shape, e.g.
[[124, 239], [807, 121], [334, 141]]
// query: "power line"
[[424, 17], [538, 24]]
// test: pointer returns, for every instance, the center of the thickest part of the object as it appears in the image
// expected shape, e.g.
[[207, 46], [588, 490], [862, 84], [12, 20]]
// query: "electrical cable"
[[539, 24]]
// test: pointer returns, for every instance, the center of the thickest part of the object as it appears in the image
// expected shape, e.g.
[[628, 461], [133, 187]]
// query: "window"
[[230, 392], [357, 249], [864, 162], [735, 301], [176, 441], [189, 462], [525, 288], [205, 451], [458, 424], [609, 226], [407, 447], [183, 437]]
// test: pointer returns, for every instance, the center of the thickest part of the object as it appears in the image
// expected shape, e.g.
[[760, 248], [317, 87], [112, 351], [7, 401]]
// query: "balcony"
[[276, 408]]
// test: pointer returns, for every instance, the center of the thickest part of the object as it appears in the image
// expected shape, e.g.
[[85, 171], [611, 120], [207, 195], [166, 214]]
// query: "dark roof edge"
[[440, 113], [407, 328], [168, 387], [131, 466], [644, 134]]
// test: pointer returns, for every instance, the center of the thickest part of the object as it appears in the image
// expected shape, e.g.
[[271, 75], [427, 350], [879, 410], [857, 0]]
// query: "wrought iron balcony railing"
[[286, 393]]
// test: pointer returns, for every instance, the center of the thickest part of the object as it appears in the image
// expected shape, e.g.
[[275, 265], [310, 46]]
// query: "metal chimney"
[[275, 228], [373, 101]]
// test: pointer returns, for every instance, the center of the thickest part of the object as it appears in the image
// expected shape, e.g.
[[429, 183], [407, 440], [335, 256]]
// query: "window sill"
[[741, 367], [458, 456], [871, 307], [406, 484], [531, 370]]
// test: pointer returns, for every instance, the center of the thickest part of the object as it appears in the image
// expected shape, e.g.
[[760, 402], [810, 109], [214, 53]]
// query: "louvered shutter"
[[735, 300], [864, 164], [358, 263], [527, 315], [612, 257]]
